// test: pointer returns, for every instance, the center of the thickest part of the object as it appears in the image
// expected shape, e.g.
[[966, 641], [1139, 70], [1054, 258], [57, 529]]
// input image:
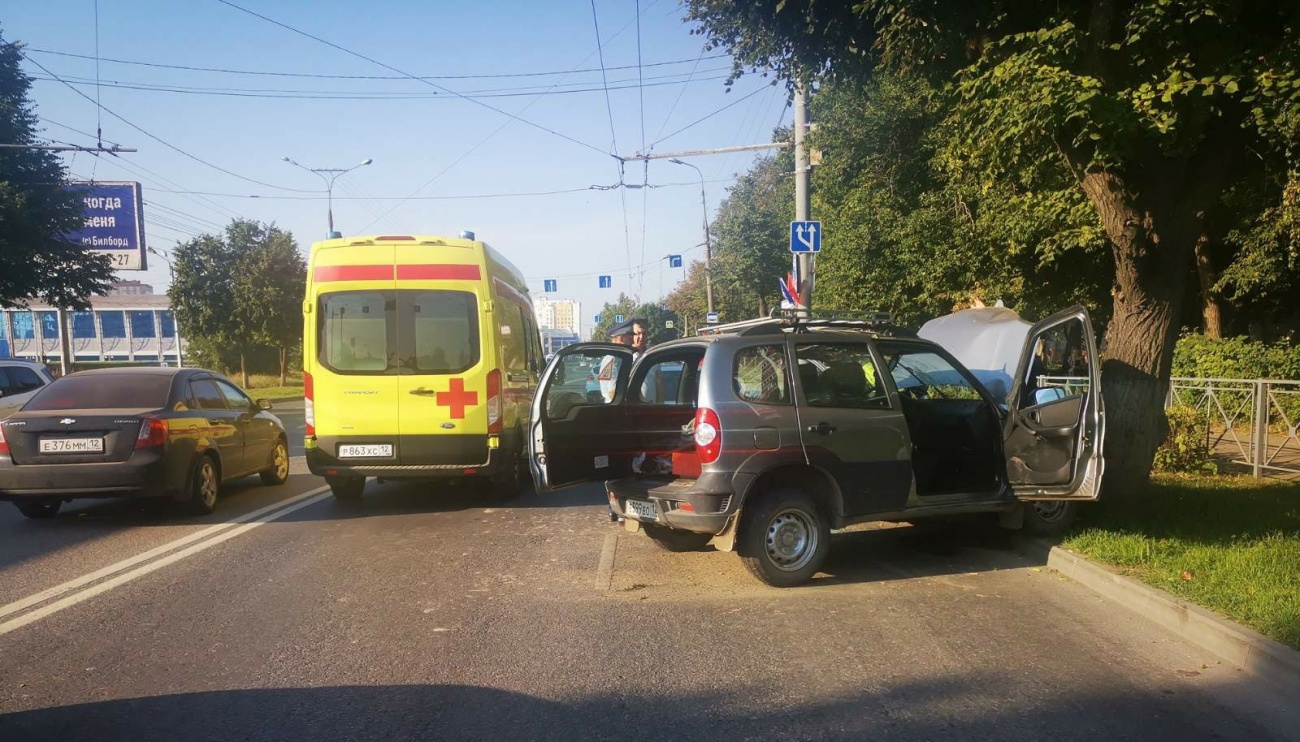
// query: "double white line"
[[35, 607]]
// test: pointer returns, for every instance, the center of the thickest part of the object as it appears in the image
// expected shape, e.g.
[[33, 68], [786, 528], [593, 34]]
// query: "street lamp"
[[708, 247], [329, 175]]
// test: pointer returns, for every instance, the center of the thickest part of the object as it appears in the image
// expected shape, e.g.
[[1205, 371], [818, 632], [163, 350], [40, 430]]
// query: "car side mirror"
[[1048, 394], [263, 404]]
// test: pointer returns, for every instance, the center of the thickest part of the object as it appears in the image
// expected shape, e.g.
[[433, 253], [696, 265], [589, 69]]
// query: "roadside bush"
[[1235, 358], [1186, 449]]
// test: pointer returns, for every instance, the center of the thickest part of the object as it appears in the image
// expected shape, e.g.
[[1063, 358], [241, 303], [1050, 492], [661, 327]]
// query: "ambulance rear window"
[[406, 331]]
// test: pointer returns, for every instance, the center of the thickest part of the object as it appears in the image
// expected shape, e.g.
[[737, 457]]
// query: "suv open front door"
[[576, 414], [1056, 424]]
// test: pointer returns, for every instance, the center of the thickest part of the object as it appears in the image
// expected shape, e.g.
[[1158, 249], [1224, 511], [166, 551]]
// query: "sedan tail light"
[[153, 433], [4, 444]]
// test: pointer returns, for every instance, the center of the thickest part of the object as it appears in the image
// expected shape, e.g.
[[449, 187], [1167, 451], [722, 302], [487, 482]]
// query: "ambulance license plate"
[[366, 451], [642, 510]]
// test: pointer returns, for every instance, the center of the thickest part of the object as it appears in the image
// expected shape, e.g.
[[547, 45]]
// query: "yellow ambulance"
[[420, 357]]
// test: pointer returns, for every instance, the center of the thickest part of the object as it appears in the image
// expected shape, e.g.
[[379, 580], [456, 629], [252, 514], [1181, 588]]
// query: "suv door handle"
[[822, 428]]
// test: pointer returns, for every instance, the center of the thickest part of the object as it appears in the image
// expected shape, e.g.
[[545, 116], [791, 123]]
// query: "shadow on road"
[[959, 707]]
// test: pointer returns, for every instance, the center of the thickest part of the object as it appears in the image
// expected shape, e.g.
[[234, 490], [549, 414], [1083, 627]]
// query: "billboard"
[[114, 222]]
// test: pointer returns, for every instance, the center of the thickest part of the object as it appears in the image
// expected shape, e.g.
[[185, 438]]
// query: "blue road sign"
[[711, 318], [674, 261], [114, 223], [549, 285], [805, 237], [598, 317], [618, 319], [607, 282]]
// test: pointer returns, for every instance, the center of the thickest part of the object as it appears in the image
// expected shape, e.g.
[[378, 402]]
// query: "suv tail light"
[[308, 406], [708, 435], [153, 433], [494, 401], [4, 444]]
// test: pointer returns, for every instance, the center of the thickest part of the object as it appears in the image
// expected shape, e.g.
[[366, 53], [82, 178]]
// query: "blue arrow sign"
[[598, 319], [674, 261], [806, 237], [618, 319], [550, 285], [607, 282]]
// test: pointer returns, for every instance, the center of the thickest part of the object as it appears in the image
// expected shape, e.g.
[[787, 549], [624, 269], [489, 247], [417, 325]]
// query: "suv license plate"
[[642, 510], [72, 445], [366, 451]]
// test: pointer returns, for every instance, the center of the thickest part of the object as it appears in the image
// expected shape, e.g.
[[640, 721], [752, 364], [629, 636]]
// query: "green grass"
[[265, 386], [1230, 544]]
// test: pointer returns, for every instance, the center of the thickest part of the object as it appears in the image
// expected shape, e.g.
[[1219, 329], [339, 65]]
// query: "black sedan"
[[137, 432]]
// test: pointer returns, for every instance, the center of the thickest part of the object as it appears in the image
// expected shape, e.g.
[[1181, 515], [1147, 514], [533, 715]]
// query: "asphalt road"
[[427, 613]]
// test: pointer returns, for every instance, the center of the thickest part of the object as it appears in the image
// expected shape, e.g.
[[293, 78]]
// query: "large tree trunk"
[[1151, 246], [1211, 310]]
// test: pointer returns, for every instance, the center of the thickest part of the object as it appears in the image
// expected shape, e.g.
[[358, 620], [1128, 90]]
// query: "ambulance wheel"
[[511, 481], [347, 489]]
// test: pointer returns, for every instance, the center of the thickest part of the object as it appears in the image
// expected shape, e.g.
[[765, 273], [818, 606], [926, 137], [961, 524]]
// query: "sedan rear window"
[[103, 391]]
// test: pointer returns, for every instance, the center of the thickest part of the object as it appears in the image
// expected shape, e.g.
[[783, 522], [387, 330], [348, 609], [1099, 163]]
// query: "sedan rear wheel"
[[39, 509], [205, 486]]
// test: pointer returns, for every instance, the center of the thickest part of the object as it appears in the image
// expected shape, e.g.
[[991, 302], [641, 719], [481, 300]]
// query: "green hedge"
[[1200, 357]]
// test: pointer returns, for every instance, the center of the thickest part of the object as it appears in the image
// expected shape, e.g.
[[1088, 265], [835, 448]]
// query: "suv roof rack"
[[801, 320]]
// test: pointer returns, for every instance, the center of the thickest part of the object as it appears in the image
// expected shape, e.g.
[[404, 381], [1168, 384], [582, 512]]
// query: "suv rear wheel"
[[672, 539], [784, 538]]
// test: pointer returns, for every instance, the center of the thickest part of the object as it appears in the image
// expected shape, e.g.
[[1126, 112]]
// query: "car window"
[[1060, 360], [103, 391], [235, 399], [840, 375], [589, 378], [672, 381], [24, 379], [923, 374], [5, 387], [760, 375], [206, 396]]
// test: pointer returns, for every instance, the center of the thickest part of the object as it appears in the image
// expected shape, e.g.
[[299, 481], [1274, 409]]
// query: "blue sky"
[[426, 144]]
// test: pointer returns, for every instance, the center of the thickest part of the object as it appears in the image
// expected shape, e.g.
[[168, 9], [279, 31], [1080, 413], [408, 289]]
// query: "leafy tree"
[[36, 210], [232, 292], [688, 300], [751, 251], [656, 317], [1151, 110]]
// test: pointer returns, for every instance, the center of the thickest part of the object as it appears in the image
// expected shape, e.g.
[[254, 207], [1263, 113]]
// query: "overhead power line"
[[157, 139], [457, 197], [313, 75], [404, 73]]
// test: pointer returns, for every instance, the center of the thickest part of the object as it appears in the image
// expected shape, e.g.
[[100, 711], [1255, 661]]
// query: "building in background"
[[558, 314], [130, 288], [136, 327], [553, 339]]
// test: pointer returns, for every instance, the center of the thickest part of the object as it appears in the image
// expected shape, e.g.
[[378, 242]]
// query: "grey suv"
[[762, 436]]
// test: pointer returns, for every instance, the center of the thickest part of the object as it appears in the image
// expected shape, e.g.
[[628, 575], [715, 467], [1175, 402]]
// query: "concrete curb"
[[1249, 650]]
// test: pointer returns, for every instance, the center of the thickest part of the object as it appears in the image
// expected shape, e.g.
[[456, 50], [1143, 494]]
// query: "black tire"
[[204, 487], [39, 509], [278, 472], [509, 483], [347, 489], [784, 538], [1049, 518], [675, 540]]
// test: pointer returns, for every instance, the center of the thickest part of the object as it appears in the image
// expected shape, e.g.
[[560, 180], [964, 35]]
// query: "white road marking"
[[605, 570], [220, 532]]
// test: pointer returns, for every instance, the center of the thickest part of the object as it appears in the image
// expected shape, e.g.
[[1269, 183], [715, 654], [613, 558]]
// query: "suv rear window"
[[104, 391], [760, 375], [405, 331]]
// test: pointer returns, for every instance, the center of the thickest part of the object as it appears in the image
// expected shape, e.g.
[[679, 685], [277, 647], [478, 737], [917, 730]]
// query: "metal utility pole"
[[708, 244], [804, 263], [329, 175]]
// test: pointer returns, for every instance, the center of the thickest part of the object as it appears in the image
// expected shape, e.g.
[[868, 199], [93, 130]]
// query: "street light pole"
[[708, 245], [329, 175]]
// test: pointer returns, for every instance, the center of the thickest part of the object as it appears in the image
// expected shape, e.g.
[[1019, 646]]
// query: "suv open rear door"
[[1056, 424], [577, 411]]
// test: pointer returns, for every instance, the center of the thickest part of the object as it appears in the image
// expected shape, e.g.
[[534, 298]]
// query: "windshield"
[[103, 391]]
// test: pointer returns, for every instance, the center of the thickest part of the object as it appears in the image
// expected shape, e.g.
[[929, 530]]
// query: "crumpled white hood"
[[988, 341]]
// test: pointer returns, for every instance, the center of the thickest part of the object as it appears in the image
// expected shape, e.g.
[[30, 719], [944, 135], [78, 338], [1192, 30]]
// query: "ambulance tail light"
[[308, 405], [708, 435], [494, 401]]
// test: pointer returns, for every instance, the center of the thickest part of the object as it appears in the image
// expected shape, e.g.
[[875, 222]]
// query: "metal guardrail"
[[1255, 422]]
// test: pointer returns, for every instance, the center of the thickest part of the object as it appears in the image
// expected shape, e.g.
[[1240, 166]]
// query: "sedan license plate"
[[642, 510], [366, 451], [72, 445]]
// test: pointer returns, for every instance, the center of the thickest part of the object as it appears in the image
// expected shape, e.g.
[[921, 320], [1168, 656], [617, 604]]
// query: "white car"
[[19, 381]]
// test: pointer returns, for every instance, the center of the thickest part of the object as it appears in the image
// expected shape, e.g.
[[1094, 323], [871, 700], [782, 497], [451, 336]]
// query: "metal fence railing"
[[1253, 422]]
